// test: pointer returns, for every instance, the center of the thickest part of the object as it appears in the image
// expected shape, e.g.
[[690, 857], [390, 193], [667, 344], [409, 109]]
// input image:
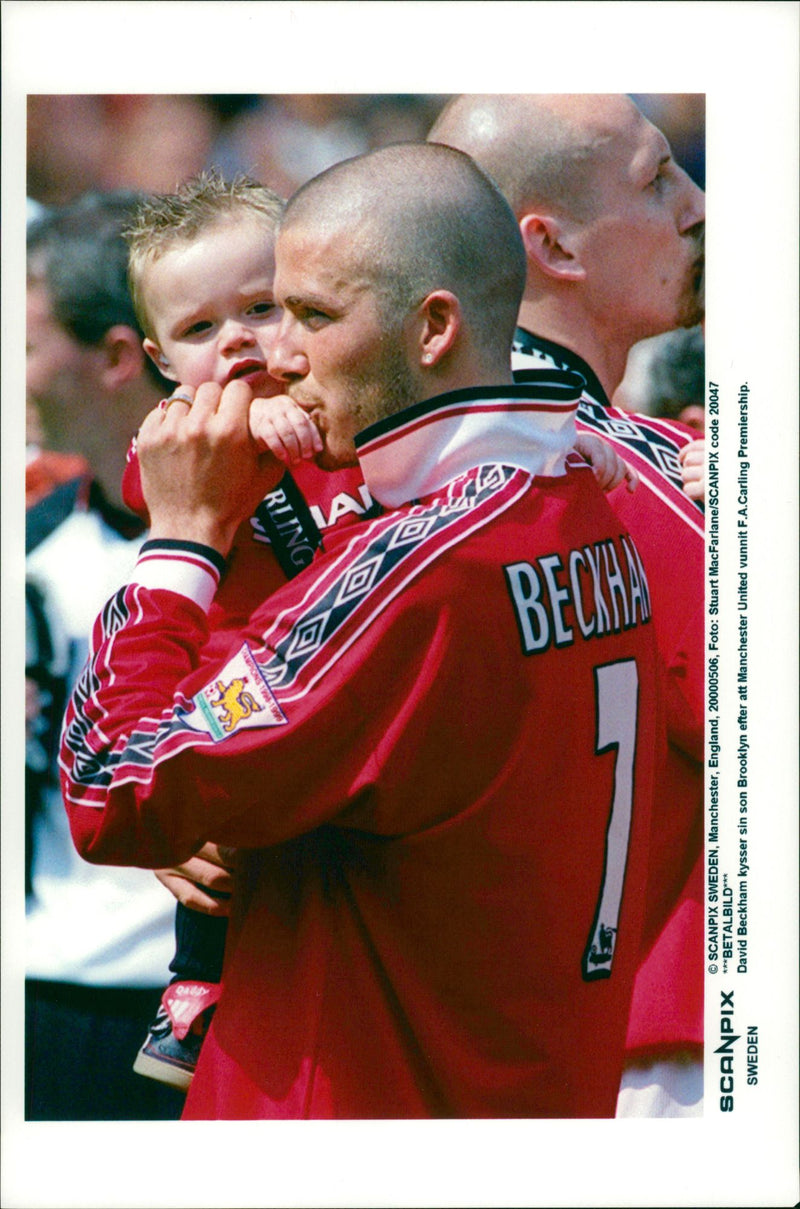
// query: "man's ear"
[[550, 248], [159, 360], [123, 356], [441, 322]]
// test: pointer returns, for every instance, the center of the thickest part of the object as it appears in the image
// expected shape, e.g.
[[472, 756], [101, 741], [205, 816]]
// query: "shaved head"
[[539, 150], [421, 217], [613, 227]]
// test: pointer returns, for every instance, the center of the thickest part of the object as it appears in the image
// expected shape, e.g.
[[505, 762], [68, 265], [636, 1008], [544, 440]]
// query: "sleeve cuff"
[[188, 568]]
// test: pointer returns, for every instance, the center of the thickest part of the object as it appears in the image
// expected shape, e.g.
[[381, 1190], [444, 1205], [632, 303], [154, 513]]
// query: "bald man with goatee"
[[435, 748], [613, 231]]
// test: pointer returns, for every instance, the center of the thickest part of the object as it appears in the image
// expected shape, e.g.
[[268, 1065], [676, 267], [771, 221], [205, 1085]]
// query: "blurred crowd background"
[[151, 142]]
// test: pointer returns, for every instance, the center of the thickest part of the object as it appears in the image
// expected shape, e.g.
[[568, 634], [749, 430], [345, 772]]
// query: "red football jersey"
[[440, 743], [668, 529]]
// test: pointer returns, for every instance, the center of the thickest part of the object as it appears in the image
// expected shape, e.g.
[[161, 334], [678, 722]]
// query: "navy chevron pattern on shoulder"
[[374, 568], [649, 443], [655, 443]]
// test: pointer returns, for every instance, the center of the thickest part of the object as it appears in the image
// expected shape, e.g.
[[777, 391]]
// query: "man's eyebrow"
[[308, 300]]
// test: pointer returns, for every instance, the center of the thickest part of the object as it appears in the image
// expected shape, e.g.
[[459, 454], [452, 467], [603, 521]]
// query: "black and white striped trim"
[[188, 568]]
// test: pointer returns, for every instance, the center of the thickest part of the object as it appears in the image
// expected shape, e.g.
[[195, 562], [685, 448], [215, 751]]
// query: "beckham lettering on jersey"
[[601, 589]]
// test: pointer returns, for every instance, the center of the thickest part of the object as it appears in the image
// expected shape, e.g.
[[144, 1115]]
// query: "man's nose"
[[286, 359]]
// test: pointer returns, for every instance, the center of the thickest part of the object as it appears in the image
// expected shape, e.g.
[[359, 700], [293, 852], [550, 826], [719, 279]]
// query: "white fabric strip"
[[181, 571], [418, 458]]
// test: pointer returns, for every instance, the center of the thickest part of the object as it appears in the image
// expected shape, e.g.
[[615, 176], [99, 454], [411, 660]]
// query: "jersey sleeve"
[[292, 726]]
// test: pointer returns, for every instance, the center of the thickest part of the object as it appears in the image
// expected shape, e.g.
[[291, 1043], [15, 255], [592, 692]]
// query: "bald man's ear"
[[123, 357], [549, 247], [441, 323]]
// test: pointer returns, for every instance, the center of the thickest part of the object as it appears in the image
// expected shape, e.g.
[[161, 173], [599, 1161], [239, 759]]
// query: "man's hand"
[[284, 429], [693, 469], [609, 468], [202, 471], [208, 869]]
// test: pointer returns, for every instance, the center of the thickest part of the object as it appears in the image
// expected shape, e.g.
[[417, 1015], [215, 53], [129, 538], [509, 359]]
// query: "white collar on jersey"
[[412, 454]]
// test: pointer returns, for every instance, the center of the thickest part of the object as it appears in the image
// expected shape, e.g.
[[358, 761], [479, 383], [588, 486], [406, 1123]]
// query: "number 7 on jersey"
[[616, 706]]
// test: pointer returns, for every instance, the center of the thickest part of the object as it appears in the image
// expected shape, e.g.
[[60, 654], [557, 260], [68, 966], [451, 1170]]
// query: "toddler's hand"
[[279, 426], [204, 882], [693, 469], [609, 468]]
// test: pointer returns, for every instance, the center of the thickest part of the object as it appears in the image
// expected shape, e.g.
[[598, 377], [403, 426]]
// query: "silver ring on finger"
[[177, 399]]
